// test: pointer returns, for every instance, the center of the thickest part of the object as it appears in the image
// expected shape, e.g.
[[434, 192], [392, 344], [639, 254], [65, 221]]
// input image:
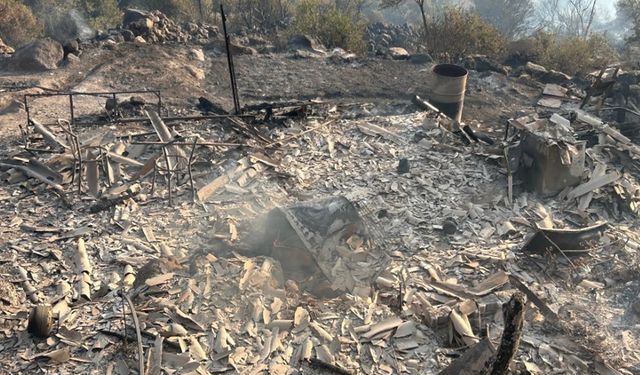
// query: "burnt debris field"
[[319, 187]]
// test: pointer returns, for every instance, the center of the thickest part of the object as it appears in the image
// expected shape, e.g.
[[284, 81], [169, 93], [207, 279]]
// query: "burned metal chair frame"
[[170, 169]]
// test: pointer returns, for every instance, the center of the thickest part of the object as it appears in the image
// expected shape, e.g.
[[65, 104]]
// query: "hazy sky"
[[609, 5]]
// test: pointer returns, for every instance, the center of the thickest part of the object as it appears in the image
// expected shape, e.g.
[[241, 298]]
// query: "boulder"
[[139, 40], [196, 54], [197, 73], [481, 63], [71, 47], [543, 75], [135, 15], [138, 21], [421, 58], [128, 35], [72, 59], [554, 76], [305, 42], [535, 69], [520, 51], [5, 49], [398, 53], [137, 100], [256, 40], [43, 54], [238, 49]]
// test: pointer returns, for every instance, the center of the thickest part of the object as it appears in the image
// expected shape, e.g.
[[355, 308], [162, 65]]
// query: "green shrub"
[[263, 15], [18, 26], [101, 14], [458, 33], [332, 25], [572, 55]]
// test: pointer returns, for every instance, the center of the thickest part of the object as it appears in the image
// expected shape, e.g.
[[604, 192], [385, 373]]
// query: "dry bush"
[[458, 33], [260, 15], [18, 26], [511, 17], [331, 24], [101, 14], [572, 55], [65, 20]]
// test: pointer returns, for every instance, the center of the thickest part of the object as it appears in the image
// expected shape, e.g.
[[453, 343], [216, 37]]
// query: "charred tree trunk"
[[593, 12], [513, 312], [424, 18]]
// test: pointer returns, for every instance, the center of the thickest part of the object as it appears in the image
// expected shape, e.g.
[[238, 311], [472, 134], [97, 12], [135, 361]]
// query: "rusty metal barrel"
[[448, 87]]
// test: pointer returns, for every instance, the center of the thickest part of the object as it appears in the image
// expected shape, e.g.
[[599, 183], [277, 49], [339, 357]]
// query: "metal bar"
[[189, 143], [169, 174], [189, 162], [26, 108], [165, 119], [73, 120], [183, 118], [159, 102], [94, 93], [232, 74], [25, 132]]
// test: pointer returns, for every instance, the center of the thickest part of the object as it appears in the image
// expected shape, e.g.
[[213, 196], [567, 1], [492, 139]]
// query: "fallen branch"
[[136, 323], [513, 312], [480, 358], [48, 135], [31, 173]]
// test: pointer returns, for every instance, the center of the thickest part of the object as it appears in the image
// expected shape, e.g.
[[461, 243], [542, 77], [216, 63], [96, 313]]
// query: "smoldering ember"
[[319, 187]]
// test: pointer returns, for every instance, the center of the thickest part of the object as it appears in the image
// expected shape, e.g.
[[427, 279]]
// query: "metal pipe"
[[73, 120], [189, 143], [97, 93], [232, 73]]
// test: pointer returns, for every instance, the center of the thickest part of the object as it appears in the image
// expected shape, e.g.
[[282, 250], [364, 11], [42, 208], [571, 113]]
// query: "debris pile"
[[311, 235], [156, 27]]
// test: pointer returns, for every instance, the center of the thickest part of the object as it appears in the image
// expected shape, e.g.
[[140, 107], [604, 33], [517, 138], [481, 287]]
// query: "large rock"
[[421, 58], [481, 63], [238, 49], [196, 54], [139, 22], [519, 52], [71, 46], [543, 75], [5, 49], [43, 54], [305, 42], [133, 16], [398, 53]]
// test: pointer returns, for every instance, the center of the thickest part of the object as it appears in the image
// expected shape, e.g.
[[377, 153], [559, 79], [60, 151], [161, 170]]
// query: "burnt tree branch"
[[513, 312]]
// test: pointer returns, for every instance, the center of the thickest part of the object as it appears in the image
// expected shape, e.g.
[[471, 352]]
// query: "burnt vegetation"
[[574, 36]]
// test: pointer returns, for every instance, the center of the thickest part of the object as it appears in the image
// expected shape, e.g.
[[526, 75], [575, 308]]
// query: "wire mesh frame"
[[168, 169], [76, 152], [95, 154]]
